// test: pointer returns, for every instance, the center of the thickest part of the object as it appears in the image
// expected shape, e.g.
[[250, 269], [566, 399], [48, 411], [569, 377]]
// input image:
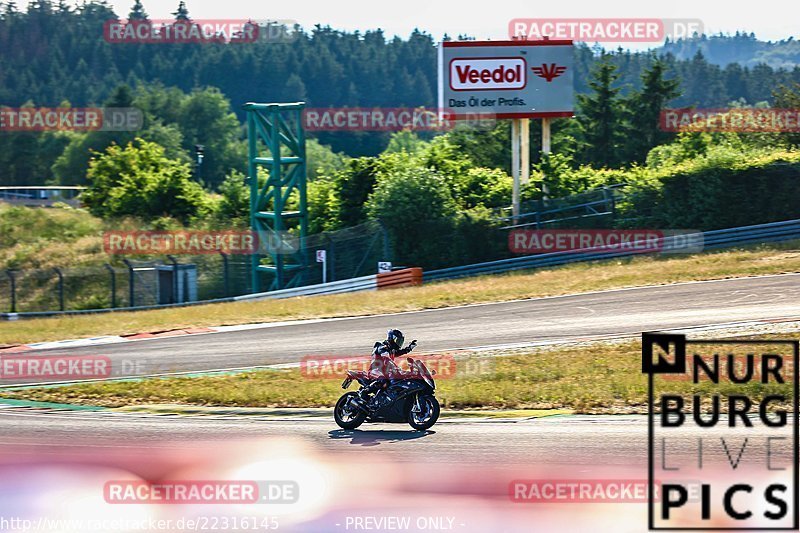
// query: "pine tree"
[[138, 12], [63, 7], [704, 85], [644, 108], [295, 89], [121, 97], [601, 117], [788, 97], [182, 13]]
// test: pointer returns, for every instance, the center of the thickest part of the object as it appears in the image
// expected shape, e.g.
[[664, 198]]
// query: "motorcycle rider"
[[382, 367]]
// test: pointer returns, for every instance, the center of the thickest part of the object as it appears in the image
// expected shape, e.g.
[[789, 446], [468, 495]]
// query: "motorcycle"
[[407, 398]]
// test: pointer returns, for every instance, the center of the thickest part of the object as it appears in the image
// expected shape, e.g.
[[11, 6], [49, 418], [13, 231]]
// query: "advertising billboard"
[[506, 79]]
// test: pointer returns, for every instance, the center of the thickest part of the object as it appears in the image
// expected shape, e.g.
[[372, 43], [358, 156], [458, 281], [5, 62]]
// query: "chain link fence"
[[350, 252], [134, 283], [146, 282]]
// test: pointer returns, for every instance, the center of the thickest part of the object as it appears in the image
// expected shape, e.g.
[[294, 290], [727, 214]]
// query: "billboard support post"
[[525, 148], [545, 149], [515, 159], [520, 160]]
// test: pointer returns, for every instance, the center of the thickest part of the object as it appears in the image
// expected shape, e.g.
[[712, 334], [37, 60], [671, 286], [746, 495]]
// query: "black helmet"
[[395, 338]]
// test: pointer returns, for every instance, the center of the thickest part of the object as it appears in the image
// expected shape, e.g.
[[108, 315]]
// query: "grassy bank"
[[563, 280], [597, 378]]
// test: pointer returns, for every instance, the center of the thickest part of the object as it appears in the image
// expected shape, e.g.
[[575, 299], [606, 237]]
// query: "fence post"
[[332, 259], [613, 200], [226, 274], [131, 283], [113, 285], [10, 274], [60, 288], [174, 279]]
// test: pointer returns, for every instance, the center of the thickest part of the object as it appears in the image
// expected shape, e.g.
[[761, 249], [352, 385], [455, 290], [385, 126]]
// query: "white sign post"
[[545, 147], [518, 80], [384, 267], [520, 158], [322, 257]]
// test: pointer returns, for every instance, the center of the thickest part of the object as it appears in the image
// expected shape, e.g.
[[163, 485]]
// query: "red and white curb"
[[96, 341]]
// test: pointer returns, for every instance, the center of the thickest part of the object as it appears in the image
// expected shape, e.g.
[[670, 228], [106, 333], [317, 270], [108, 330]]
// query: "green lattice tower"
[[276, 141]]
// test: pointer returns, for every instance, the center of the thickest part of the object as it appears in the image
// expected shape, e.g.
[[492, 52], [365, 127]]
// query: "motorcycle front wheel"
[[427, 416], [348, 416]]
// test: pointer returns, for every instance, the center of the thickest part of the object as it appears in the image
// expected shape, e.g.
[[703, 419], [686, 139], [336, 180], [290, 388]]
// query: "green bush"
[[427, 226], [418, 211], [233, 207], [725, 192], [711, 181], [700, 181], [139, 180], [322, 216]]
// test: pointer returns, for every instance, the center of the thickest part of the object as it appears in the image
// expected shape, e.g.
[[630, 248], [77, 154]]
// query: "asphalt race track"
[[625, 312], [450, 441], [568, 440]]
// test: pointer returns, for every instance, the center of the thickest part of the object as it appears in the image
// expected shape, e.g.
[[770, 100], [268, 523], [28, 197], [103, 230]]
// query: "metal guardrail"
[[398, 278], [363, 283], [40, 195], [762, 233]]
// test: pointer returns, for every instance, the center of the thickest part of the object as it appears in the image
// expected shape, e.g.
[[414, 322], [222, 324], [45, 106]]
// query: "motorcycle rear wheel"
[[428, 416], [348, 417]]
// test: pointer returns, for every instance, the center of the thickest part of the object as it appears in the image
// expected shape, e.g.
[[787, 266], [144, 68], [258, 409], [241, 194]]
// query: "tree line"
[[54, 54]]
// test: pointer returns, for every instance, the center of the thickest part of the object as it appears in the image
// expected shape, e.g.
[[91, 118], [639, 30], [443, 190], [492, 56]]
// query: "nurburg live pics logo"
[[723, 412]]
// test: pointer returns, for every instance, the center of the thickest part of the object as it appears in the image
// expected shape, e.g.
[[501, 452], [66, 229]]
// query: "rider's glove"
[[413, 344]]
